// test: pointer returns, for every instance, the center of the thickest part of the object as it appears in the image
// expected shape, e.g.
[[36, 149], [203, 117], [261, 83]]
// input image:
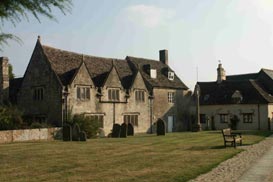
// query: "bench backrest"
[[226, 131]]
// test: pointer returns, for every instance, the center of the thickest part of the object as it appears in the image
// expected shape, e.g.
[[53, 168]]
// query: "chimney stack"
[[163, 56], [221, 73], [4, 79]]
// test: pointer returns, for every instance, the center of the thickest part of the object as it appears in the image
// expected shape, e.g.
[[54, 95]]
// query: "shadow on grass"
[[200, 148]]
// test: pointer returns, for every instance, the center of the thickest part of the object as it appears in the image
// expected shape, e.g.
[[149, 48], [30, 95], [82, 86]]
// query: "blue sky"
[[197, 33]]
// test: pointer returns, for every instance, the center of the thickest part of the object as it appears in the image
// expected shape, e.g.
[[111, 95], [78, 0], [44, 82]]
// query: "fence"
[[29, 135]]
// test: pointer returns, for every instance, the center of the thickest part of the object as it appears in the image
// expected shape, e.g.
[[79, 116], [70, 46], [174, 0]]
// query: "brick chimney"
[[163, 56], [221, 73], [4, 79]]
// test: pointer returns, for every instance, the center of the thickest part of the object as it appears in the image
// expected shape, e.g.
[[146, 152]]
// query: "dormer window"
[[171, 75], [153, 73], [237, 97]]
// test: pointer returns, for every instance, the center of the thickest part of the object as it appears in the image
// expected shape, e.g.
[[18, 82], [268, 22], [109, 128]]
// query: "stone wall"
[[28, 135], [163, 109], [40, 75], [260, 115]]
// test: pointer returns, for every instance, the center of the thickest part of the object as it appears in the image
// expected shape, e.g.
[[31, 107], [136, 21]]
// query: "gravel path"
[[232, 169]]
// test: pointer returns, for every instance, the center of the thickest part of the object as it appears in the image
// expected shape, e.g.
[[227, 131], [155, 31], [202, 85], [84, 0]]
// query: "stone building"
[[131, 90], [248, 97]]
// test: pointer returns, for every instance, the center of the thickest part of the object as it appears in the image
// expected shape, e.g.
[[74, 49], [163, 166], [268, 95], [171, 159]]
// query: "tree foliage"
[[10, 118], [15, 11], [87, 124]]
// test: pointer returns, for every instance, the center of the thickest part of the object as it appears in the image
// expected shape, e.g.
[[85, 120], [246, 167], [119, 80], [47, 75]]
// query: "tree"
[[16, 10]]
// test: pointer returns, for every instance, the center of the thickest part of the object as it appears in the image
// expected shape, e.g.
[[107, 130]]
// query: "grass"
[[146, 158]]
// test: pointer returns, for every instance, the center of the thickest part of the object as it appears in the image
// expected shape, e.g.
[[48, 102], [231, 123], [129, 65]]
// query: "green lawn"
[[174, 157]]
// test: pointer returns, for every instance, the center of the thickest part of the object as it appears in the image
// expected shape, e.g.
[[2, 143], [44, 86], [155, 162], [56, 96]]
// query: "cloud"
[[149, 16]]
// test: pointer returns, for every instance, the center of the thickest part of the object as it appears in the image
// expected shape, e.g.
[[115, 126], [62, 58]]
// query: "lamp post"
[[197, 126], [65, 95]]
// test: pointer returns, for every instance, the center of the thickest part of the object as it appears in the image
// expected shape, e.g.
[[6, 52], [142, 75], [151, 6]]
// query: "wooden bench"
[[230, 137]]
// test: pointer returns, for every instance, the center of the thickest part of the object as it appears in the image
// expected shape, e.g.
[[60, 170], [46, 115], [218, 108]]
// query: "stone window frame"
[[223, 118], [113, 94], [140, 95], [83, 93], [247, 117], [131, 118], [38, 93], [171, 96]]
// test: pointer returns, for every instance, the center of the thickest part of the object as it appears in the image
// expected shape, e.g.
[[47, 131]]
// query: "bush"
[[87, 124], [39, 125], [10, 118]]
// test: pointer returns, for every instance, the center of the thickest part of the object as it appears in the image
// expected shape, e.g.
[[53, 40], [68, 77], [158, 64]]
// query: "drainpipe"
[[114, 113], [151, 114]]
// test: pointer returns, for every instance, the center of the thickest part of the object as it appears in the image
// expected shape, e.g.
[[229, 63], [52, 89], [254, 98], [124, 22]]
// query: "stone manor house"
[[131, 90]]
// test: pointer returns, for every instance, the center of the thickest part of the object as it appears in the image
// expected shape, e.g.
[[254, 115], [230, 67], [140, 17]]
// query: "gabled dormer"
[[82, 86], [112, 88], [138, 90]]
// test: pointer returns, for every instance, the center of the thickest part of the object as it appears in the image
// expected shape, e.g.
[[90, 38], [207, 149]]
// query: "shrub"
[[87, 124], [39, 125], [10, 118]]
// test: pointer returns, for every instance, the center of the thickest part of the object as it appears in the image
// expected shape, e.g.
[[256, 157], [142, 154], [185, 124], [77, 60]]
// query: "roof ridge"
[[143, 58], [267, 69], [81, 54], [242, 74]]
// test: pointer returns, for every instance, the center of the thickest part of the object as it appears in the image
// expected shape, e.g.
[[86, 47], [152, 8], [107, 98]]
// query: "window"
[[99, 118], [133, 119], [223, 118], [171, 97], [202, 118], [113, 94], [248, 117], [38, 93], [171, 75], [140, 95], [83, 93], [153, 73]]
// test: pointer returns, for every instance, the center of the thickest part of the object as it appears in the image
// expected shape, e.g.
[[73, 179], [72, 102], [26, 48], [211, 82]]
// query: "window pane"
[[78, 93], [88, 93], [109, 95]]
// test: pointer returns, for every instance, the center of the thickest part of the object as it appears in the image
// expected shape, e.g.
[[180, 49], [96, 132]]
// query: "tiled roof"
[[242, 77], [213, 93], [65, 64], [162, 73], [253, 87]]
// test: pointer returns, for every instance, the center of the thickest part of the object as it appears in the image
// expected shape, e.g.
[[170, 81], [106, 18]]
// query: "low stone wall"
[[29, 135]]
